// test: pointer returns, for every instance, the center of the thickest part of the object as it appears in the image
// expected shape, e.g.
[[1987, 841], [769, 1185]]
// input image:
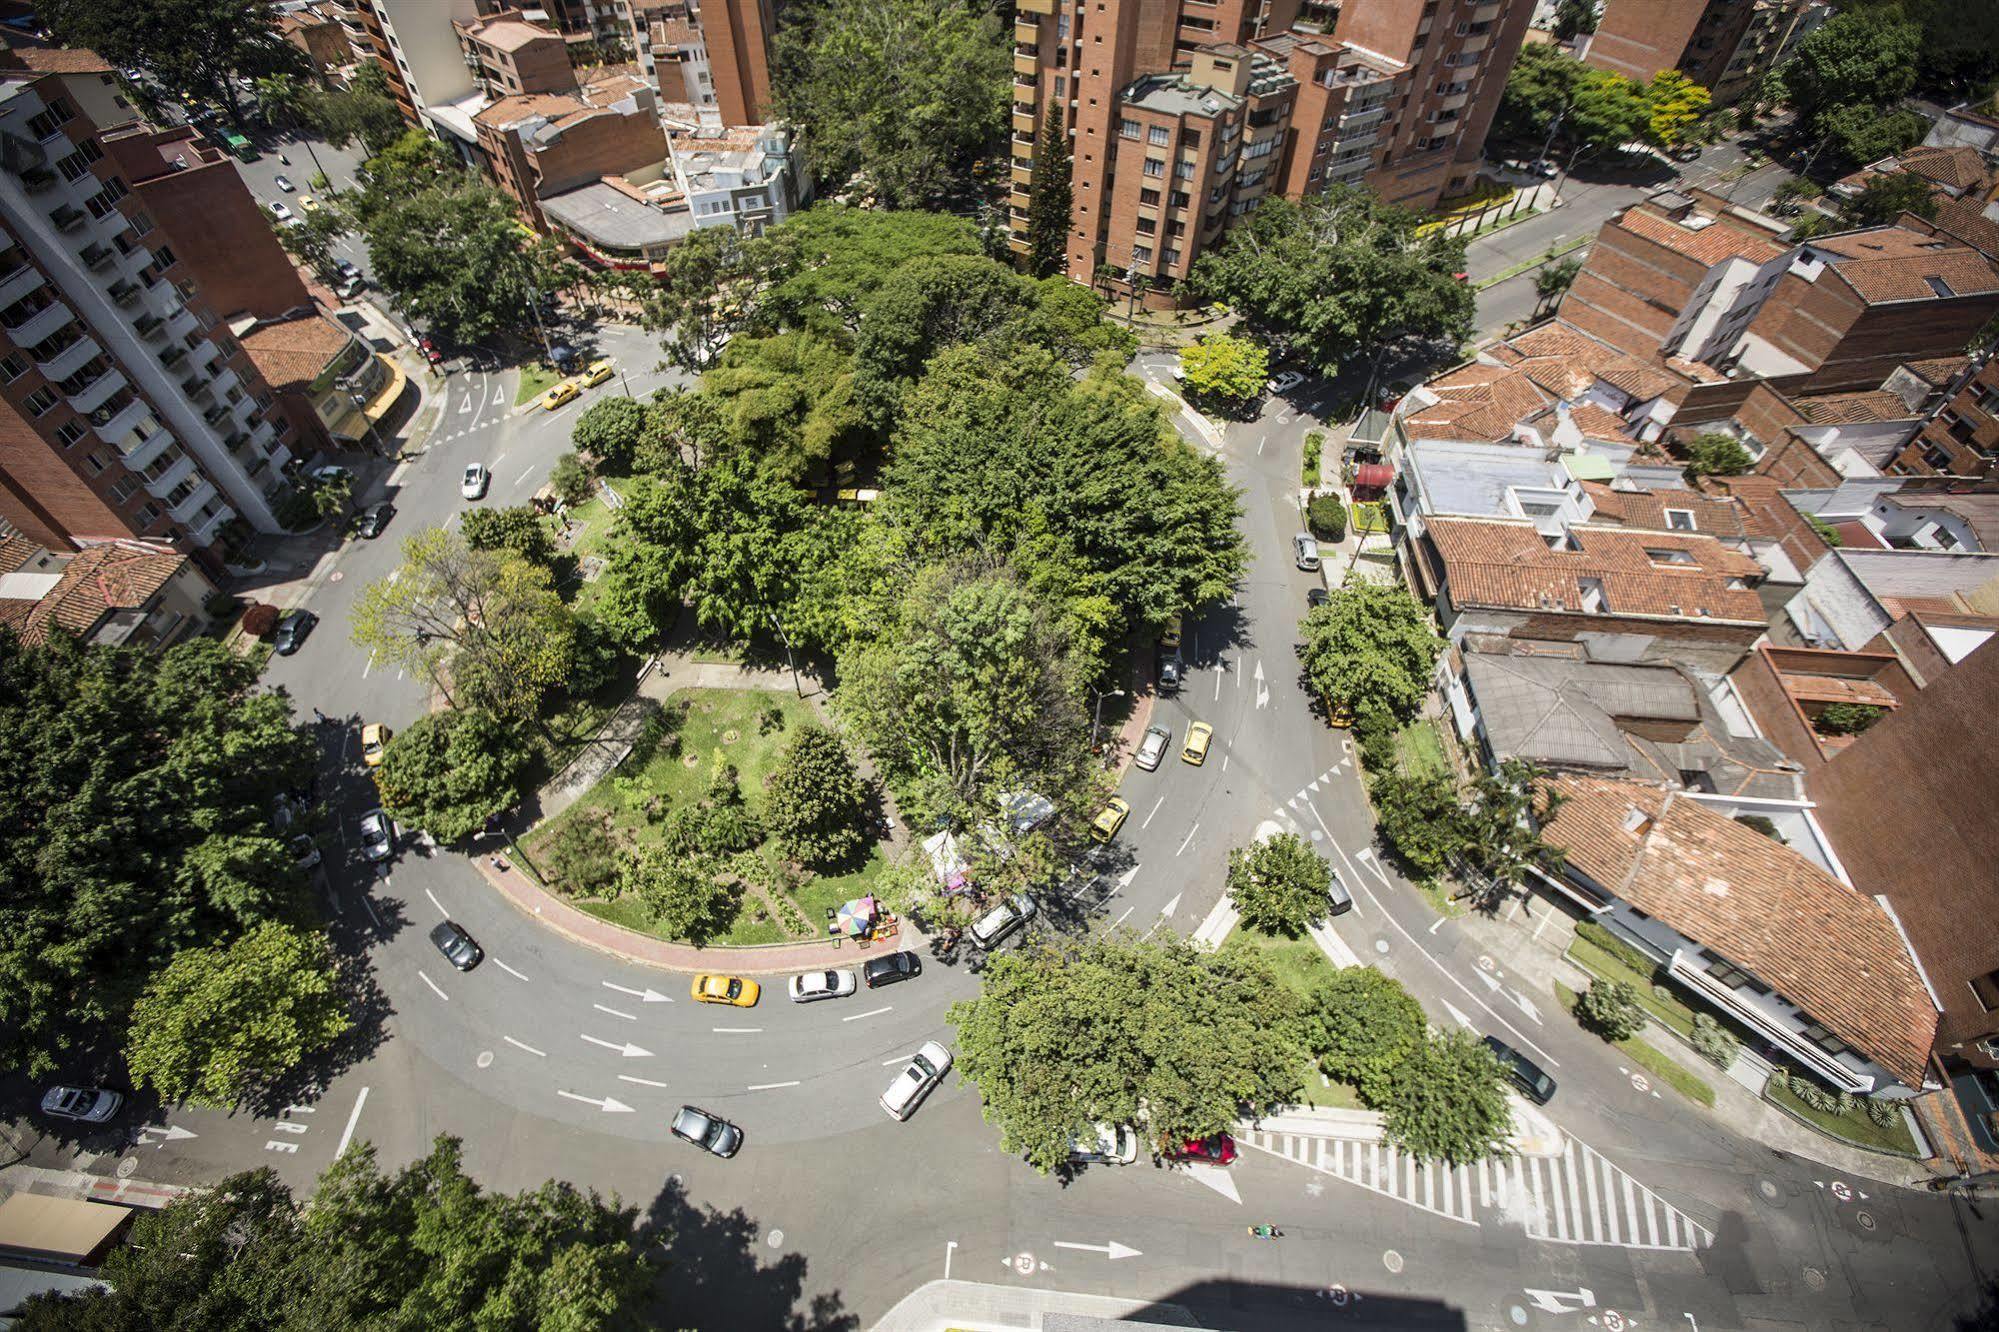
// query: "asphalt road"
[[553, 1060]]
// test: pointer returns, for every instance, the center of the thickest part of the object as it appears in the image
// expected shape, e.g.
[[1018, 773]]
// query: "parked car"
[[816, 985], [891, 969], [460, 949], [566, 391], [710, 1133], [1169, 637], [374, 519], [430, 351], [1526, 1075], [283, 183], [1172, 670], [1218, 1150], [1316, 598], [331, 473], [736, 991], [378, 835], [350, 287], [598, 372], [305, 851], [1339, 899], [1152, 748], [1110, 818], [374, 740], [1010, 915], [1110, 1144], [473, 484], [1305, 552], [1199, 736], [926, 1068], [92, 1105], [291, 632], [280, 212], [1285, 381]]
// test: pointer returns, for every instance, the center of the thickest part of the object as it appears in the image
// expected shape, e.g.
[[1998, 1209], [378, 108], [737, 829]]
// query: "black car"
[[458, 947], [706, 1131], [1522, 1072], [373, 519], [1172, 670], [291, 631], [1316, 598], [888, 970]]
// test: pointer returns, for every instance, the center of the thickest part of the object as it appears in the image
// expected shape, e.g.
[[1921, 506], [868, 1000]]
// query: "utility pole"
[[1131, 288], [789, 660], [1098, 720]]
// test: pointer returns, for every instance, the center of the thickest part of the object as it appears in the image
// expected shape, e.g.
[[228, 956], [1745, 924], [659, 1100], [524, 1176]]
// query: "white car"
[[284, 183], [1153, 747], [92, 1105], [378, 835], [815, 985], [280, 212], [1286, 381], [1305, 552], [1110, 1144], [476, 479], [926, 1068]]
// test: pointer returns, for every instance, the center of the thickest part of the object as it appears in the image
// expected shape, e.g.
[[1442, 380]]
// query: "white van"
[[1003, 920]]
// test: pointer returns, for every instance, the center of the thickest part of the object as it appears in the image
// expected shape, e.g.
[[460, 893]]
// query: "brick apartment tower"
[[713, 55], [126, 408], [1183, 113], [1726, 46]]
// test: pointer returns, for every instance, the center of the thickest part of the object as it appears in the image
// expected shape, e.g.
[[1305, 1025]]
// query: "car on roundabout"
[[1216, 1149], [473, 484], [460, 949], [1200, 735], [598, 372], [891, 969], [735, 991], [1106, 1144], [926, 1068], [711, 1133], [816, 985]]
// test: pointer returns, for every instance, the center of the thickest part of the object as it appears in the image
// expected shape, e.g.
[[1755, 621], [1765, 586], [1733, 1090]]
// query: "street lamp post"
[[1097, 720], [785, 639]]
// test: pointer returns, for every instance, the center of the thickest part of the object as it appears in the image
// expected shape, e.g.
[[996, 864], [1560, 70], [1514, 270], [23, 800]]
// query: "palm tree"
[[1553, 280], [280, 99]]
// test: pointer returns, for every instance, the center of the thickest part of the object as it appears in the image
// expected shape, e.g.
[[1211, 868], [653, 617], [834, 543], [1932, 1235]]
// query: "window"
[[1141, 254], [95, 462], [1819, 1035], [50, 118], [1146, 226], [12, 367], [1183, 170], [1986, 988], [1159, 135], [1669, 555], [1128, 128], [1148, 198], [1734, 977], [1172, 255], [1155, 166], [1192, 139], [69, 432], [77, 165], [149, 514], [123, 490], [165, 257], [1680, 520], [1939, 286], [41, 400]]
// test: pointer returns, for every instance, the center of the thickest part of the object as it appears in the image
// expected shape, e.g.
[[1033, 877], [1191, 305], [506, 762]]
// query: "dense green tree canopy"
[[815, 804], [788, 401], [135, 822], [425, 1247], [897, 97], [1221, 366], [448, 772], [1370, 649], [1361, 1025], [453, 255], [610, 430], [1338, 276], [831, 257], [194, 49], [1280, 884], [518, 529], [1446, 1101], [1059, 1042], [1858, 57]]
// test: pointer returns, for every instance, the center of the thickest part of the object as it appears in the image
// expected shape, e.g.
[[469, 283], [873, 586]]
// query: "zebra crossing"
[[1577, 1197]]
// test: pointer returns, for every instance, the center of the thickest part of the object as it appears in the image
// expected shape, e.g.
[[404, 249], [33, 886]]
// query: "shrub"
[[1419, 818], [1847, 718], [260, 619], [1822, 1099], [1885, 1114], [1611, 1010], [1315, 443], [1827, 532], [1716, 454], [1760, 823], [297, 508], [1326, 515], [1616, 947], [571, 480], [1713, 1042], [578, 858]]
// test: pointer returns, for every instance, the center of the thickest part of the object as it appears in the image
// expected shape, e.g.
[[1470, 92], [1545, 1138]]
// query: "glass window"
[[1128, 128], [1159, 134], [1155, 166]]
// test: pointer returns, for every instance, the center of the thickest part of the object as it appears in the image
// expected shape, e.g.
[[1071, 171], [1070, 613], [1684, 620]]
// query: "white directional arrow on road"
[[1172, 906], [606, 1104], [1463, 1021], [650, 996], [625, 1048], [1524, 1004], [1262, 689], [172, 1132], [1215, 1177], [1113, 1250]]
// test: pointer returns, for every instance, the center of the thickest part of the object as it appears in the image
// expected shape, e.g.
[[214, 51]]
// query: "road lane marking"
[[539, 1054], [872, 1012], [643, 1082], [649, 996], [371, 910], [433, 988], [525, 475], [899, 1059], [614, 1013], [770, 1086], [606, 1104], [1120, 920], [625, 1048], [509, 970], [1154, 810], [352, 1119], [1220, 670], [439, 905], [737, 1031], [1439, 924], [1190, 837]]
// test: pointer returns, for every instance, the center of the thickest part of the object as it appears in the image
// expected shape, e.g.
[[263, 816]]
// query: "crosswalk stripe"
[[1672, 1228], [1575, 1194], [1630, 1212], [1595, 1206], [1558, 1211], [1651, 1219]]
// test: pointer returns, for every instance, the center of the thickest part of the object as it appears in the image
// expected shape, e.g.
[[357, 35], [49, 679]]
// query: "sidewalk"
[[974, 1306]]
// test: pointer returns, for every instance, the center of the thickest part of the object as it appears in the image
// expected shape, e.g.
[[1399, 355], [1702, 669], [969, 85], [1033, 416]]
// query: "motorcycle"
[[1265, 1232]]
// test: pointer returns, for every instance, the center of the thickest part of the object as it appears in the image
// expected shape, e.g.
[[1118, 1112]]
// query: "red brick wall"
[[42, 495], [218, 230], [605, 145], [1912, 807], [738, 34], [1638, 38]]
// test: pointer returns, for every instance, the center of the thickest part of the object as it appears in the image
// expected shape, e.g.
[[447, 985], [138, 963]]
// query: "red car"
[[1219, 1149], [430, 352]]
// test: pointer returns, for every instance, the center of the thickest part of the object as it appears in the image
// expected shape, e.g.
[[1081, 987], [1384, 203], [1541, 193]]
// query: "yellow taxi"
[[1199, 736], [566, 391], [1339, 714], [736, 991], [598, 372], [374, 739], [310, 204], [1169, 638], [1110, 819]]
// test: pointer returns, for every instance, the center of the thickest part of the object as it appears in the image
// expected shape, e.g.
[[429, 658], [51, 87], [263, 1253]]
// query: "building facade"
[[1726, 46], [712, 55]]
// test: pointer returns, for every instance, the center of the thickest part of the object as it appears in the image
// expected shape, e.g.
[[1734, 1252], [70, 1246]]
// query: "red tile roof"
[[1507, 566], [1854, 408], [1708, 245], [292, 352], [1768, 516], [1646, 509], [58, 60], [1938, 370], [118, 575], [1476, 402], [1894, 263], [1828, 949]]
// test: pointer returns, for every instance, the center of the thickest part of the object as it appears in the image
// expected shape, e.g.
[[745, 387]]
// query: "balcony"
[[195, 388], [1026, 30], [1454, 102], [123, 292], [67, 218], [149, 325], [27, 278], [207, 531], [216, 415], [38, 179], [179, 470], [1019, 198], [1023, 172], [66, 361], [1487, 12], [141, 451], [1026, 64], [1473, 45], [41, 323], [97, 257], [1366, 117], [118, 419], [1034, 6], [188, 507], [97, 392]]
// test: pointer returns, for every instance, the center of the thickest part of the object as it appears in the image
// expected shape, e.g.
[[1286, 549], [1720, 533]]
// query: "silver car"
[[1152, 749], [814, 985], [378, 835], [926, 1068], [1305, 552], [92, 1105]]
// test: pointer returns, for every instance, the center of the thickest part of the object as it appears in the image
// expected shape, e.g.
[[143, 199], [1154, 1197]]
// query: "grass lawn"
[[1855, 1127], [1419, 750], [1300, 965], [1369, 516], [1601, 962], [726, 722], [1660, 1065], [535, 381], [1440, 899]]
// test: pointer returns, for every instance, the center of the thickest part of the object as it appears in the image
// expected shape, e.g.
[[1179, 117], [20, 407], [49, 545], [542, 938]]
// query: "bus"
[[238, 147]]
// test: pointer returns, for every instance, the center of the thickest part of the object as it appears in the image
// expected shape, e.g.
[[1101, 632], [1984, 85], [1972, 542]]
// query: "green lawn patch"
[[1657, 1062], [1600, 961], [1300, 964], [1369, 516], [1419, 750], [1853, 1127], [535, 381], [1440, 899]]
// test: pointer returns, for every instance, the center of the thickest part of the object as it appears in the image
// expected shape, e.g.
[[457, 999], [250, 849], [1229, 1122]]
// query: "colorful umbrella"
[[855, 917]]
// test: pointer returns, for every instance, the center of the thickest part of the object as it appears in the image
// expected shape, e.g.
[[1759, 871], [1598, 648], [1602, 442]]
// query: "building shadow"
[[713, 1279]]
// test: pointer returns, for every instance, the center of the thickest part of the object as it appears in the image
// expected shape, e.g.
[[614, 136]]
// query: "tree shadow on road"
[[370, 1009], [712, 1278]]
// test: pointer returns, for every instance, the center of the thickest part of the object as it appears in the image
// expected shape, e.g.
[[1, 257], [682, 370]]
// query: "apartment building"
[[115, 594], [314, 28], [1961, 437], [128, 410], [537, 144], [1183, 114], [713, 55], [507, 54], [1726, 46]]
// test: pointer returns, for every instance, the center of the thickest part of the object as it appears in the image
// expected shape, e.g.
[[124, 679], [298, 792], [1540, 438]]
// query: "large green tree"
[[610, 430], [934, 96], [1060, 1042], [1858, 57], [1050, 196], [1885, 198], [365, 110], [1502, 819], [1588, 110], [1339, 276], [1224, 367], [518, 529], [1674, 104], [424, 1247], [1280, 884], [448, 772], [453, 255], [135, 812], [683, 895], [222, 1021], [1369, 650], [1446, 1100], [1361, 1025], [193, 49], [788, 402], [815, 803], [831, 257]]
